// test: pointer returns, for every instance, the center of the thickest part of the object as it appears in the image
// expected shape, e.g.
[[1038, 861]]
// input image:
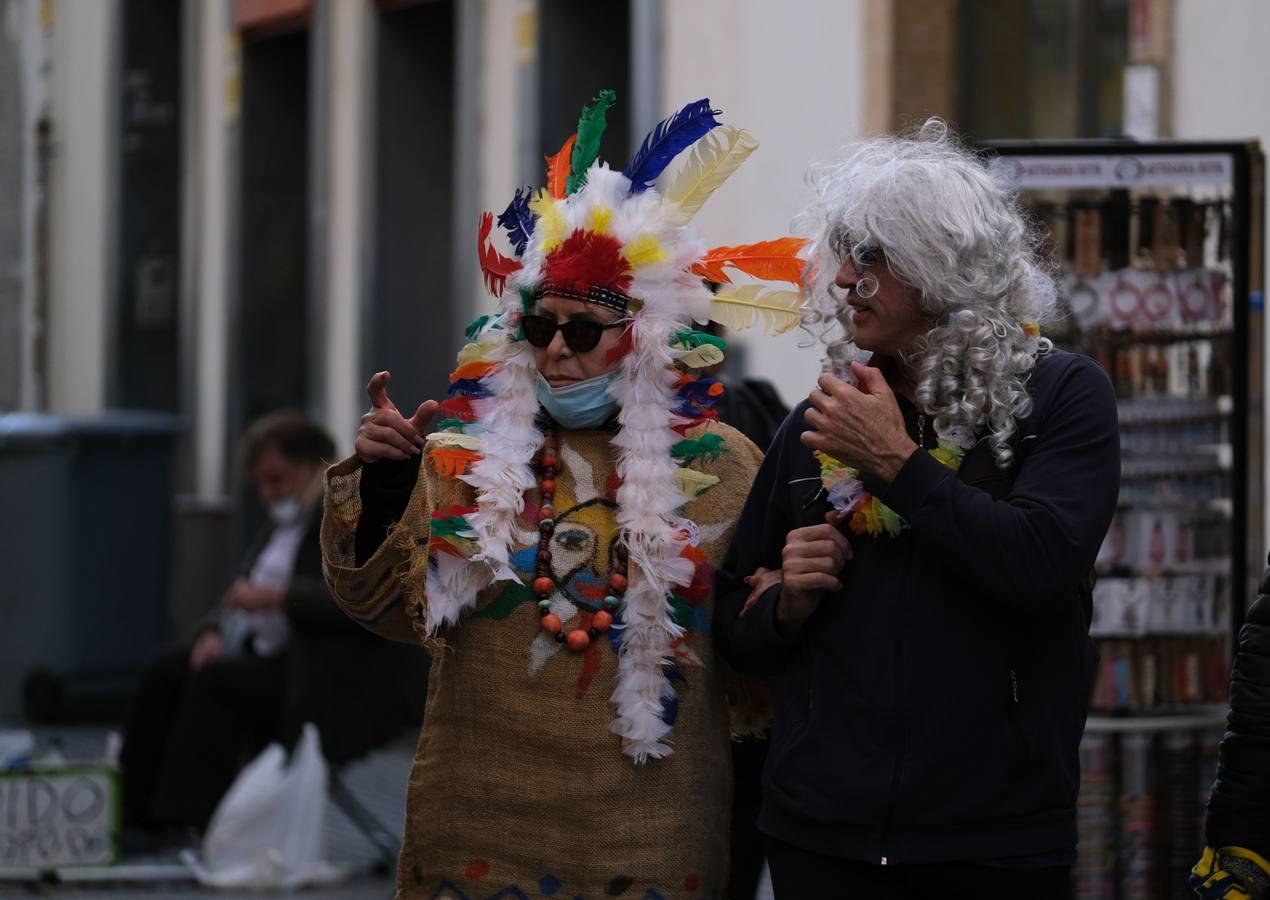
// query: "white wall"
[[1221, 90], [507, 46], [348, 138], [82, 205], [792, 75], [217, 110], [1221, 87], [31, 39]]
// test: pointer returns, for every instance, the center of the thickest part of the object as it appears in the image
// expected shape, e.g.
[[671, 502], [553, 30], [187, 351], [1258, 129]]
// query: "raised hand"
[[859, 424], [385, 433]]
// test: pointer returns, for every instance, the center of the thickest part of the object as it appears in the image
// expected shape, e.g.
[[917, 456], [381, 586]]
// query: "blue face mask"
[[583, 404]]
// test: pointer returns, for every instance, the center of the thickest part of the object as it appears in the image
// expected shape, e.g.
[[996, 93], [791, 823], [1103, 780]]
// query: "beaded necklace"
[[601, 614]]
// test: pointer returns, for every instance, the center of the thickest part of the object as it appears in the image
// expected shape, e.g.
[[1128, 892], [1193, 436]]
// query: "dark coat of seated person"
[[278, 653]]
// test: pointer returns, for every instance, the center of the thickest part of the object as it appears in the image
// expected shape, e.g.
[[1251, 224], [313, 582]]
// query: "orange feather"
[[452, 461], [776, 260], [558, 167], [473, 370]]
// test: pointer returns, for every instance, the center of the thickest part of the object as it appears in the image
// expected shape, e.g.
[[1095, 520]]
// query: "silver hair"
[[956, 235]]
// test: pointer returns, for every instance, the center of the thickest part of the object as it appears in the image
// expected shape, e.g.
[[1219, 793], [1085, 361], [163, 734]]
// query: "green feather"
[[446, 424], [708, 446], [682, 613], [506, 602], [587, 148], [455, 526], [690, 339], [475, 326]]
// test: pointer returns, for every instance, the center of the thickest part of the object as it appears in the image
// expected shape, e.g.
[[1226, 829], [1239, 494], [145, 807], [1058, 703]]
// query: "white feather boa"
[[501, 477], [646, 502]]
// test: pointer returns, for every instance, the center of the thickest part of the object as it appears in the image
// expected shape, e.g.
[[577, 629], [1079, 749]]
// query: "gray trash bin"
[[87, 506]]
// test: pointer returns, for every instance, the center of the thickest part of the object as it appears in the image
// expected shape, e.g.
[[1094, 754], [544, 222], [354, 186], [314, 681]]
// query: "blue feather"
[[469, 387], [518, 220], [694, 397], [668, 140], [670, 705]]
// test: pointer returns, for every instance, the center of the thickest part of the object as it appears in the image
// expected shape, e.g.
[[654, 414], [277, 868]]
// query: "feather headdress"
[[612, 237]]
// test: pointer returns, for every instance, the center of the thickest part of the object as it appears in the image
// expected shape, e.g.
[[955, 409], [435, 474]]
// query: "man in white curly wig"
[[914, 558]]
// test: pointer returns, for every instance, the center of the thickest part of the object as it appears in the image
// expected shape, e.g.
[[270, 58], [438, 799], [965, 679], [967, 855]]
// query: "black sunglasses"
[[580, 334]]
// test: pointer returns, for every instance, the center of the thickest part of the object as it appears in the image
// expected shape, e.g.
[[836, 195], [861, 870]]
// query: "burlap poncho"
[[519, 788]]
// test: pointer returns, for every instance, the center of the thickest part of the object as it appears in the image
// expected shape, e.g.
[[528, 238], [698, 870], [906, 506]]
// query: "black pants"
[[188, 734], [747, 844], [798, 874]]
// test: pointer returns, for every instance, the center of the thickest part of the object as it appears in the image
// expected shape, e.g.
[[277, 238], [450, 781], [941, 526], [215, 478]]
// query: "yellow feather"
[[701, 357], [551, 221], [738, 308], [643, 251], [693, 484], [453, 439], [478, 351], [714, 158], [598, 220]]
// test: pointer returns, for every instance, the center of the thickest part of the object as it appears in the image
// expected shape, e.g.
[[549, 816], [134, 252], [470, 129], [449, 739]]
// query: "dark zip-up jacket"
[[1239, 807], [932, 709]]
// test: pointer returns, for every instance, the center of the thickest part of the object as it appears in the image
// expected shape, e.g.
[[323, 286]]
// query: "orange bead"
[[551, 623], [715, 389], [544, 585], [578, 640], [547, 485], [617, 583], [601, 621]]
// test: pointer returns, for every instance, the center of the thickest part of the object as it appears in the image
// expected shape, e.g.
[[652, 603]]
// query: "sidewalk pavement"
[[378, 782]]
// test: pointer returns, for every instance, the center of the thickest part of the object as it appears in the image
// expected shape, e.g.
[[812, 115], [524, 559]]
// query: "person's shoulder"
[[1055, 362], [1057, 368], [728, 436], [719, 449]]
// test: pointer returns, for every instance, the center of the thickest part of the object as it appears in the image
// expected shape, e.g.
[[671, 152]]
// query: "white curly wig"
[[955, 234]]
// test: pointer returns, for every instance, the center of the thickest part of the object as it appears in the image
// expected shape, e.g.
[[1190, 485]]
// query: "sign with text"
[[1127, 171], [58, 817]]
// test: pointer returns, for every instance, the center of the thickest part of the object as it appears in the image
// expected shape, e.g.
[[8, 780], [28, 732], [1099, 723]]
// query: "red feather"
[[494, 265], [586, 260], [459, 408]]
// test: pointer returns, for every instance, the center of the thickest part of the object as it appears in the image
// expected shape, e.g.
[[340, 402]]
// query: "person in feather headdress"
[[552, 528], [913, 562]]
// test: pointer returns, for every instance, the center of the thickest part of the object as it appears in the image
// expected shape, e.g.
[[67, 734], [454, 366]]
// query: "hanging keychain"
[[1126, 297], [1157, 300]]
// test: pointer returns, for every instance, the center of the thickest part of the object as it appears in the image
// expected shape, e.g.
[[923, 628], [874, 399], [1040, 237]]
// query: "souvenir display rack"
[[1157, 248]]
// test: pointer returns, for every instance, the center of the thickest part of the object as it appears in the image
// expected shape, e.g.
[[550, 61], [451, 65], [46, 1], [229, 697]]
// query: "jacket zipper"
[[899, 724]]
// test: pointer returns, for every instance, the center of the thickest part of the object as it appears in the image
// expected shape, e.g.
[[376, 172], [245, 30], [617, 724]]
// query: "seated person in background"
[[1236, 862], [279, 653]]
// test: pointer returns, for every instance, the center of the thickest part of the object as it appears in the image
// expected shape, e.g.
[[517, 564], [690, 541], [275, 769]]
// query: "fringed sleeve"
[[386, 593]]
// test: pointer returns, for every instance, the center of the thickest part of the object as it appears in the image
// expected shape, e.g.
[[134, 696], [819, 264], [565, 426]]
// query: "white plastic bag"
[[269, 829]]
